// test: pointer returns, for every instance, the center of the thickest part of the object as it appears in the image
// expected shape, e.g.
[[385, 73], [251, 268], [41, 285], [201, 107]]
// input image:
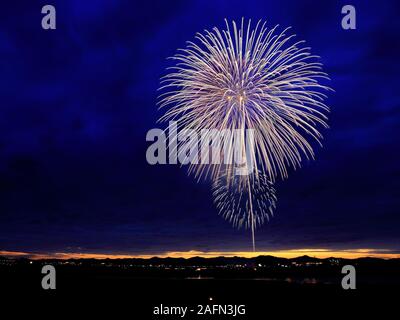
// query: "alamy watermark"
[[349, 18], [49, 18], [349, 280], [207, 146], [49, 280]]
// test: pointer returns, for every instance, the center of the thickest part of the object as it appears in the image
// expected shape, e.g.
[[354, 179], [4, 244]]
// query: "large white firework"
[[250, 78], [247, 77]]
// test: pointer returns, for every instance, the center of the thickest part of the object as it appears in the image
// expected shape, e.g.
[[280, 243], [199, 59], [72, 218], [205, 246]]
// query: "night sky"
[[77, 102]]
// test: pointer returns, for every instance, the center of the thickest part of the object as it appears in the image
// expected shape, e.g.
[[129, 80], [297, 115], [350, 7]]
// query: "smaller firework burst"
[[246, 203]]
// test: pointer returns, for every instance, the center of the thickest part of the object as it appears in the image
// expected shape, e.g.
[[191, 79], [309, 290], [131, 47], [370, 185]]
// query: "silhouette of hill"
[[215, 261]]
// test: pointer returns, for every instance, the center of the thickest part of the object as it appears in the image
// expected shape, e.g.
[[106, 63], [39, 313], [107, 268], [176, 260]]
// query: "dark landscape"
[[260, 283]]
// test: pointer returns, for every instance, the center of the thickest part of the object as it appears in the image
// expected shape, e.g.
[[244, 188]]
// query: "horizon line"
[[320, 253]]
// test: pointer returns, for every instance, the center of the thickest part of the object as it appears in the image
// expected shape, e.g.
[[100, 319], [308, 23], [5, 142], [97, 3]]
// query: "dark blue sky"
[[76, 104]]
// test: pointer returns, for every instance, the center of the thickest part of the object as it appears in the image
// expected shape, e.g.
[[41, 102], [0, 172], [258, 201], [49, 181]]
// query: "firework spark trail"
[[245, 202], [249, 78]]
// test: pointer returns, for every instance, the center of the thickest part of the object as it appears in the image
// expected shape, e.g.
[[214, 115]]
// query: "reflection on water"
[[199, 277], [308, 281], [292, 280]]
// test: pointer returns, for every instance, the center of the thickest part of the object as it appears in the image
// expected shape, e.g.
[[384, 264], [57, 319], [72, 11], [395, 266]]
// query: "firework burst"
[[235, 203], [247, 77], [250, 78]]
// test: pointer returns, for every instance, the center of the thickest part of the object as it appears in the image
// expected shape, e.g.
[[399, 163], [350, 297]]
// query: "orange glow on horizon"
[[291, 253]]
